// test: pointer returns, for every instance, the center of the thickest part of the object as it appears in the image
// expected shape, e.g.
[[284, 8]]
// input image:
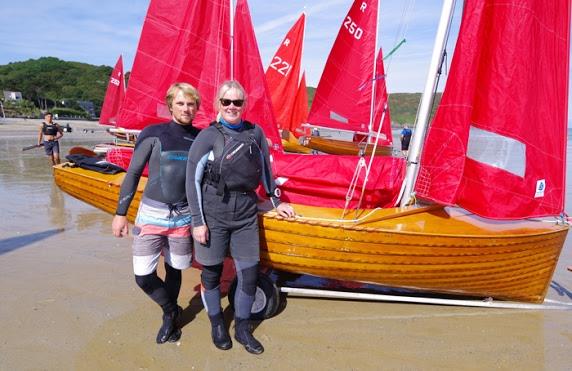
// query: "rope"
[[328, 220]]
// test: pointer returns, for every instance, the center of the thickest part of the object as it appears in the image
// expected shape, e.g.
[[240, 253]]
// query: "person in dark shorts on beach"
[[163, 222], [405, 139], [50, 133], [227, 162]]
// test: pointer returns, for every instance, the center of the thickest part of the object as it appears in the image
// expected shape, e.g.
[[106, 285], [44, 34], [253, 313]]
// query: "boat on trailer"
[[509, 252]]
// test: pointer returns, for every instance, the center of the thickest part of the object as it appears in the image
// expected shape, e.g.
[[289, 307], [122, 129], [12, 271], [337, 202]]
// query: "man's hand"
[[201, 234], [285, 210], [120, 226]]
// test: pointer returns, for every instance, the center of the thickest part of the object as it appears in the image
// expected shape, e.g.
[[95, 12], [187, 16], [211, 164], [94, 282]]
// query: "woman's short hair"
[[226, 86], [187, 89]]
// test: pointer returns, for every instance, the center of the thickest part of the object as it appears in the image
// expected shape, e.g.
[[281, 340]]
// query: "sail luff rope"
[[374, 74], [232, 9]]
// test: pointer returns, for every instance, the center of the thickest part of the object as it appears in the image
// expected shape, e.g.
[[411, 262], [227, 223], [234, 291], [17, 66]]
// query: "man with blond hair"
[[163, 223]]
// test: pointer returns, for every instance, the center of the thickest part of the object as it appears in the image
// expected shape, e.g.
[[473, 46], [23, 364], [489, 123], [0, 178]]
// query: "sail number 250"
[[353, 28]]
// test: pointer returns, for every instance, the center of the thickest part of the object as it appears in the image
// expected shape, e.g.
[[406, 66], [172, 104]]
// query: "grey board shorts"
[[232, 220], [51, 147]]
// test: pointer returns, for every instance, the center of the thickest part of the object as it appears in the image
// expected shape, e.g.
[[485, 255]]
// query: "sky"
[[98, 31]]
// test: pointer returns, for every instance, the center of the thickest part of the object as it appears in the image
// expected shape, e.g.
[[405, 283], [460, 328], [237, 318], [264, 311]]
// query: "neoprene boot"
[[219, 333], [243, 334], [170, 330]]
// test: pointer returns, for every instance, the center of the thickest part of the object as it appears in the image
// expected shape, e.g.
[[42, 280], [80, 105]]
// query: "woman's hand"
[[120, 226], [285, 210], [201, 234]]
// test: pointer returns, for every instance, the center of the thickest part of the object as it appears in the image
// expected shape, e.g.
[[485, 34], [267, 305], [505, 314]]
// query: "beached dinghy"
[[432, 249], [351, 95], [437, 248]]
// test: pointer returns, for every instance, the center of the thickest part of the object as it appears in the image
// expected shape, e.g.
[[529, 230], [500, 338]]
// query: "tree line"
[[51, 83], [54, 84]]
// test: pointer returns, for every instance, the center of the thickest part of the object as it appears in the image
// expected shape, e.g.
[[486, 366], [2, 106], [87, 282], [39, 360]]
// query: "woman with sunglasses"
[[227, 162]]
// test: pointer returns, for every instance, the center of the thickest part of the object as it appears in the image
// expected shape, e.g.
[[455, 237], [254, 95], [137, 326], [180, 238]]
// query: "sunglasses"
[[236, 102]]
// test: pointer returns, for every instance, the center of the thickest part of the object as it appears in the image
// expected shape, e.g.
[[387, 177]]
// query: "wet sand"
[[69, 301]]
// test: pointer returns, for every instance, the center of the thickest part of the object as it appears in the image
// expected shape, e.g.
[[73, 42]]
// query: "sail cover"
[[344, 93], [180, 42], [114, 95], [249, 72], [283, 73], [497, 144], [324, 180]]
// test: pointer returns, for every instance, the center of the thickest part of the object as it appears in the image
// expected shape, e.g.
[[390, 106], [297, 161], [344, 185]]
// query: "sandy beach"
[[69, 300]]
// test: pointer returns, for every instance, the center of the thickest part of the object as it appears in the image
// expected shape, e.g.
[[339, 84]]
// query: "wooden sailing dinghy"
[[429, 249], [351, 95], [434, 248]]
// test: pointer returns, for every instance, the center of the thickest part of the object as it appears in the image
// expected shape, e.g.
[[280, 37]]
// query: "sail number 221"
[[281, 66], [353, 28]]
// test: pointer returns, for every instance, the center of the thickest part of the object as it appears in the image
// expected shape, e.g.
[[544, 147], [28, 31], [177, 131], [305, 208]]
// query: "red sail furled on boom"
[[323, 180], [497, 145], [343, 96], [249, 72], [300, 110], [283, 73], [380, 103], [114, 95], [187, 42]]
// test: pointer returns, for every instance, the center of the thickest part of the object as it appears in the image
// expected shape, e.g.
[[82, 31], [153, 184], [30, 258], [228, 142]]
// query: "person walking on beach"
[[227, 162], [405, 139], [50, 133], [163, 220]]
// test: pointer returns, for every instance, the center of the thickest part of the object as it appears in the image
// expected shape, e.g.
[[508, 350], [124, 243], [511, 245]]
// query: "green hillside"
[[403, 106], [47, 81]]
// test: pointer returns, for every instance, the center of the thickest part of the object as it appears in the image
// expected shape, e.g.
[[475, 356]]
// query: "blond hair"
[[224, 88], [187, 89]]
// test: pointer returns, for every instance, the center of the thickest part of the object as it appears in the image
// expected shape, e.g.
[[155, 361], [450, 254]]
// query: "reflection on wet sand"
[[69, 301], [57, 210]]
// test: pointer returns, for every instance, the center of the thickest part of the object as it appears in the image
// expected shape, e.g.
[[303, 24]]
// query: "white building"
[[12, 95]]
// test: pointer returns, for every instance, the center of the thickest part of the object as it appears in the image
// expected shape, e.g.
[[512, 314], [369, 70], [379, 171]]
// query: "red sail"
[[187, 42], [300, 110], [114, 95], [343, 96], [381, 103], [283, 73], [497, 144], [249, 72]]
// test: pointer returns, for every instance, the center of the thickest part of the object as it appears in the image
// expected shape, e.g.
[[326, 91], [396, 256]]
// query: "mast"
[[374, 75], [231, 9], [427, 101]]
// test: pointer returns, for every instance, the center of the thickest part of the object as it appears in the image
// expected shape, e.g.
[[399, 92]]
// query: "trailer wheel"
[[266, 298]]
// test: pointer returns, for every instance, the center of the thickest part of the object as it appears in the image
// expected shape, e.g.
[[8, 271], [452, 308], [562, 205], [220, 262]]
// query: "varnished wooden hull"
[[294, 147], [431, 250], [342, 147]]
